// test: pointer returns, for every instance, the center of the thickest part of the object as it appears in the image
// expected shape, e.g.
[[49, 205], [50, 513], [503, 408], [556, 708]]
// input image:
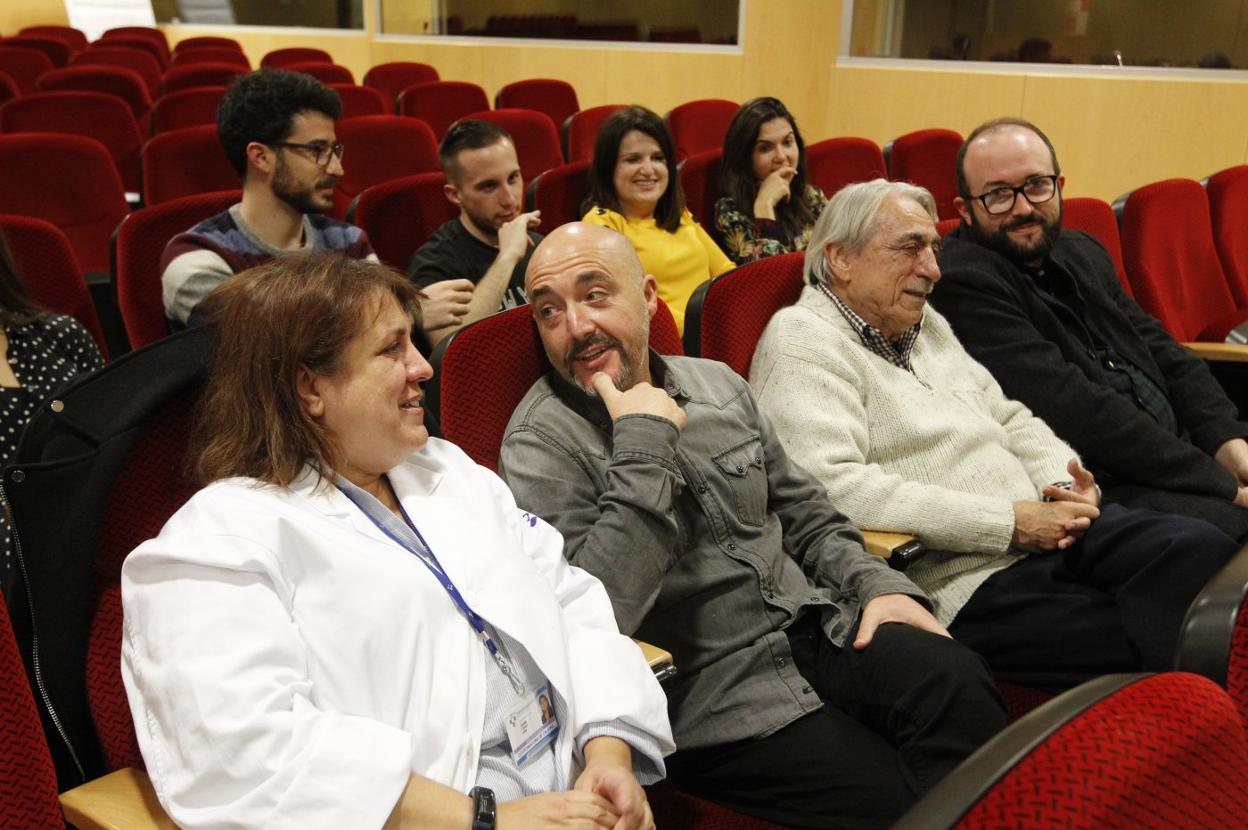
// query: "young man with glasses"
[[1042, 308], [277, 129]]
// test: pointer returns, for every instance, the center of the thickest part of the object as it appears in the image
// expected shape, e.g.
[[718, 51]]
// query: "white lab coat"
[[288, 665]]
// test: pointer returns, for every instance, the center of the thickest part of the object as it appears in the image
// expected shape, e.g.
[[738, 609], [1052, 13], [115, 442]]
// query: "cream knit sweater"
[[941, 453]]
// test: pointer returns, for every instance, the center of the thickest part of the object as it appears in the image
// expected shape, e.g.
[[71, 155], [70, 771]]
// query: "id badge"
[[531, 725]]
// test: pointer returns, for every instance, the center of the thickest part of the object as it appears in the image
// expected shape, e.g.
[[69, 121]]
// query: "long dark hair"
[[602, 193], [736, 170], [16, 306]]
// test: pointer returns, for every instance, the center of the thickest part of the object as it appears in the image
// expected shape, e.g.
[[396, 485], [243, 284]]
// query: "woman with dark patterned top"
[[39, 351], [763, 167]]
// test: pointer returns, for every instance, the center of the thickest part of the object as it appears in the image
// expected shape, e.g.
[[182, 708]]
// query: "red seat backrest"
[[106, 118], [554, 97], [124, 83], [147, 33], [200, 74], [558, 194], [441, 103], [150, 486], [727, 314], [1164, 750], [926, 158], [535, 136], [58, 51], [68, 180], [148, 68], [27, 777], [581, 130], [380, 148], [210, 54], [835, 162], [1096, 218], [137, 249], [360, 100], [699, 178], [326, 73], [191, 107], [1228, 209], [207, 42], [698, 126], [392, 78], [71, 37], [24, 66], [8, 88], [184, 162], [400, 215], [282, 58], [49, 271], [482, 371], [157, 50], [1168, 251]]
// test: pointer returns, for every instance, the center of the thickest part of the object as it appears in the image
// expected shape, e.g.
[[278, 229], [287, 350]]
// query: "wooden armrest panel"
[[121, 800], [1219, 352], [660, 660], [882, 542]]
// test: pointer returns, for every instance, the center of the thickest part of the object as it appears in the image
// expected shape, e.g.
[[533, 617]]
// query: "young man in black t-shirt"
[[474, 265]]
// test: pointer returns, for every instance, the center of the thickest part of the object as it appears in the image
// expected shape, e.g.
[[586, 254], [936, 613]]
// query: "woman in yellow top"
[[631, 190]]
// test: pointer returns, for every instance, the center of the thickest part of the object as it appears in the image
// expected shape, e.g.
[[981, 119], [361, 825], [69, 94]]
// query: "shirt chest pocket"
[[745, 480]]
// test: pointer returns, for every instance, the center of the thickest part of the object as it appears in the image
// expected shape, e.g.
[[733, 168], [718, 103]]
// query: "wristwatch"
[[484, 814]]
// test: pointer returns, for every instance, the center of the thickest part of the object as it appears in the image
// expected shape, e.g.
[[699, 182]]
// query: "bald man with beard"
[[815, 687]]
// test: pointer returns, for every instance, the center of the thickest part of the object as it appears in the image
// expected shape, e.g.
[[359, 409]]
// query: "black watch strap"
[[484, 813]]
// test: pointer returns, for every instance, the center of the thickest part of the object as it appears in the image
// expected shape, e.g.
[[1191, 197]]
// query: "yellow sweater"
[[679, 261]]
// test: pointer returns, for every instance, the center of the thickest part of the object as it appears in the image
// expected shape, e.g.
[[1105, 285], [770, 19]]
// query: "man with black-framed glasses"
[[277, 130], [1042, 308]]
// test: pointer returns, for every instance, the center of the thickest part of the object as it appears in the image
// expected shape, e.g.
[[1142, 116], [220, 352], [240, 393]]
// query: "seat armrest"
[[660, 661], [1208, 634], [900, 549], [121, 799], [1219, 352]]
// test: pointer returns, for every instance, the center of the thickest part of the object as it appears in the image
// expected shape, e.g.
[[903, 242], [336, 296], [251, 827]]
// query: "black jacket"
[[57, 488], [1038, 350]]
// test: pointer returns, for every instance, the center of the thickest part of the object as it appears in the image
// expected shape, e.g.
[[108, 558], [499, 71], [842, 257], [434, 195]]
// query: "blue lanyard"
[[425, 554]]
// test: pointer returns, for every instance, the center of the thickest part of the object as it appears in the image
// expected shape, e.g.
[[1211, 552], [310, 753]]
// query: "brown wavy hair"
[[299, 310]]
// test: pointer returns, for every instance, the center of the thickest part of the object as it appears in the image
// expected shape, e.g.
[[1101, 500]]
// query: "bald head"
[[567, 242]]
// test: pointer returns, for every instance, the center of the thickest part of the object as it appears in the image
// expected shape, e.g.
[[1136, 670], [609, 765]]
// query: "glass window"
[[1197, 33], [686, 21], [320, 14]]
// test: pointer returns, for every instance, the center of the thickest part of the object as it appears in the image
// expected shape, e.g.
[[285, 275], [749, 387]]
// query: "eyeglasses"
[[1037, 190], [320, 150]]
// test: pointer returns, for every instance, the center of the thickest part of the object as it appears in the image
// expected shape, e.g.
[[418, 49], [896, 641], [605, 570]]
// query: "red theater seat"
[[185, 162], [698, 126], [392, 78], [835, 162], [441, 103], [926, 158], [554, 97]]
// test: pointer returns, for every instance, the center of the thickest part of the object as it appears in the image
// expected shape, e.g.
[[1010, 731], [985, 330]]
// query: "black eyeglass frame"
[[335, 149], [1016, 191]]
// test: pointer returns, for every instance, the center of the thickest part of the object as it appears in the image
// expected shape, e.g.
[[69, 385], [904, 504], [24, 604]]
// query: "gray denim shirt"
[[710, 541]]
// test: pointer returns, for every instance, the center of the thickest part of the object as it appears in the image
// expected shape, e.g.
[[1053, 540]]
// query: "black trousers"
[[897, 717], [1225, 515], [1115, 601]]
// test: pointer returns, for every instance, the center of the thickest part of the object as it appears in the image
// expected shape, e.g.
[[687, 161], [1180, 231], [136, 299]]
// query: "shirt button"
[[732, 546], [701, 488], [740, 468], [781, 662], [806, 690], [18, 476], [57, 406]]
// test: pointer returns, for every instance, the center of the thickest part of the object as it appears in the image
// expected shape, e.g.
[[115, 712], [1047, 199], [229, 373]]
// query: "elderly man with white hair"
[[870, 391]]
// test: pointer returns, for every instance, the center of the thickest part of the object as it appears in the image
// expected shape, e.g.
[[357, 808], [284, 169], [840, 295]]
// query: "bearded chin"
[[1000, 242]]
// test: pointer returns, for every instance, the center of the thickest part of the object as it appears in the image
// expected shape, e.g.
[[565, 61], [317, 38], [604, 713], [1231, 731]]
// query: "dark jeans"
[[1115, 601], [898, 716]]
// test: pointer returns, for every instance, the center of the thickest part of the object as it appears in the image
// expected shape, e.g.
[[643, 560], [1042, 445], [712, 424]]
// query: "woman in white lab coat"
[[353, 624]]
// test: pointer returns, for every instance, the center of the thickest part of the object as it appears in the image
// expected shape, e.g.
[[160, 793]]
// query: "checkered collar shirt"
[[896, 352]]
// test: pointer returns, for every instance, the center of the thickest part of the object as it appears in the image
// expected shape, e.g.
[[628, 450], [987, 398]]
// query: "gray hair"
[[850, 218]]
